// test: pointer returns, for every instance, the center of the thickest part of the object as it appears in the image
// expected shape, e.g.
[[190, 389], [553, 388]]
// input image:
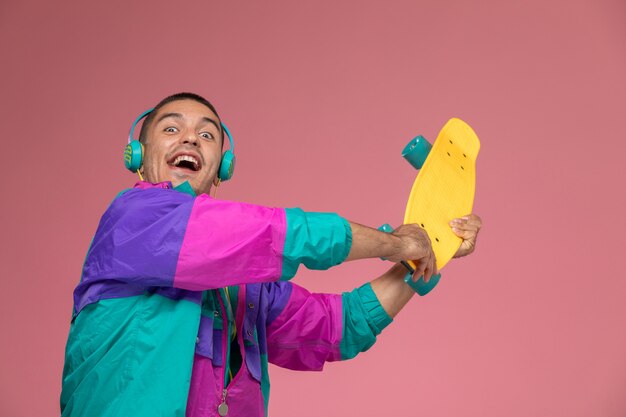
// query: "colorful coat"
[[151, 325]]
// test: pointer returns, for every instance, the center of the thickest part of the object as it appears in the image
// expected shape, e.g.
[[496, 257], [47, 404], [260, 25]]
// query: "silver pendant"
[[222, 409]]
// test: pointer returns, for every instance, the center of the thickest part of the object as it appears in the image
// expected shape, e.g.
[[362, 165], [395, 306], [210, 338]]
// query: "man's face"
[[183, 143]]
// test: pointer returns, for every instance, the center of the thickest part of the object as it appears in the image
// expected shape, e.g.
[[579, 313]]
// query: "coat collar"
[[185, 187]]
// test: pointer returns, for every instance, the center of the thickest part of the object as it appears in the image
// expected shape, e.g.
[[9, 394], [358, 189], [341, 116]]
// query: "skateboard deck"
[[444, 187]]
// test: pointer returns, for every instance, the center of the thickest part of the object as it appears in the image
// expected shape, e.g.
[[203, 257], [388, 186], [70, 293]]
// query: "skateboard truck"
[[420, 286]]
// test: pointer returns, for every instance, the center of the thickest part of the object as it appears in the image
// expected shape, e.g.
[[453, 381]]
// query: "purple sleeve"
[[307, 332], [161, 237]]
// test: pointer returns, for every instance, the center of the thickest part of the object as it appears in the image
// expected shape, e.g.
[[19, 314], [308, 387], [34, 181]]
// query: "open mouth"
[[185, 161]]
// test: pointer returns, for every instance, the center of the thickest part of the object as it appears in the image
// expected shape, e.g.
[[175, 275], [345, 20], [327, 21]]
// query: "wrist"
[[395, 248], [392, 291]]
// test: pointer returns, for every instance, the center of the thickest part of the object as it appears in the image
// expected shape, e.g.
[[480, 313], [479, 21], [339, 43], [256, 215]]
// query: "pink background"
[[321, 97]]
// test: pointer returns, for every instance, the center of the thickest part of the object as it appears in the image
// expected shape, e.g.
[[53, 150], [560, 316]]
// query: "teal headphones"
[[133, 153]]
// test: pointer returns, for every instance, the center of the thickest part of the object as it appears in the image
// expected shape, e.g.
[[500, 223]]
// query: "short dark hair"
[[175, 97]]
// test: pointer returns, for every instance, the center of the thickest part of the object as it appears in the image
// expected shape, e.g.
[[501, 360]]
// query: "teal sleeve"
[[316, 240], [363, 319]]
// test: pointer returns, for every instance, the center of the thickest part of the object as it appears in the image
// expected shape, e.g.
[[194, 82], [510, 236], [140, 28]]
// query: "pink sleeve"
[[228, 243], [308, 331]]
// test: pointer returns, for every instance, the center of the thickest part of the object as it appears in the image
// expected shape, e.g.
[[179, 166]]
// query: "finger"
[[465, 228], [473, 224], [419, 273], [470, 216], [428, 272], [458, 222], [465, 234], [431, 269], [468, 225], [420, 267], [474, 220], [471, 219]]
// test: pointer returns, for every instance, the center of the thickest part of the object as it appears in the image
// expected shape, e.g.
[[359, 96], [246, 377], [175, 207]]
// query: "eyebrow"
[[180, 116]]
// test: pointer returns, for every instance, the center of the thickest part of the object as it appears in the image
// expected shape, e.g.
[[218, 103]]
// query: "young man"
[[184, 299]]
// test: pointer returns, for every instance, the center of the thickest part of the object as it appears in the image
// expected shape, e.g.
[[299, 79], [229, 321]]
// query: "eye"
[[206, 135], [170, 129]]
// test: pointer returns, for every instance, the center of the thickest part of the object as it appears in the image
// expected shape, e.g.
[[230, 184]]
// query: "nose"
[[190, 138]]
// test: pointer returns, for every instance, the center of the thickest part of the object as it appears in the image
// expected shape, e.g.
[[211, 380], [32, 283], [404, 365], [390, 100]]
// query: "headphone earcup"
[[227, 166], [133, 155]]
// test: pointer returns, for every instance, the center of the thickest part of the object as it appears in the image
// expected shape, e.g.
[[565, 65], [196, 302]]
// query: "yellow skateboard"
[[443, 190]]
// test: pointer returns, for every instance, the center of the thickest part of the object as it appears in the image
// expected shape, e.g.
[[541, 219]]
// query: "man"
[[184, 299]]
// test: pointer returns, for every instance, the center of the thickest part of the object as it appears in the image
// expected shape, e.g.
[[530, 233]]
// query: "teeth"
[[188, 158]]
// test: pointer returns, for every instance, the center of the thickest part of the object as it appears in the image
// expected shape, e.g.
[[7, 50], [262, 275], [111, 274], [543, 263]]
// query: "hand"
[[415, 245], [467, 228]]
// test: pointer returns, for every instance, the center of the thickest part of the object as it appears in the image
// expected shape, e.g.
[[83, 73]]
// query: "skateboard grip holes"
[[464, 156], [450, 140], [448, 153], [422, 224], [462, 168], [437, 239]]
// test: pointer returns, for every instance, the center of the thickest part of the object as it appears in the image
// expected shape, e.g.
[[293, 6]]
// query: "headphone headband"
[[137, 120]]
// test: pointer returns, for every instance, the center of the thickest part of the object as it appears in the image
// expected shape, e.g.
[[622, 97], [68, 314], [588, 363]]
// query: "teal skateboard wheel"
[[386, 228], [416, 151], [420, 286]]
